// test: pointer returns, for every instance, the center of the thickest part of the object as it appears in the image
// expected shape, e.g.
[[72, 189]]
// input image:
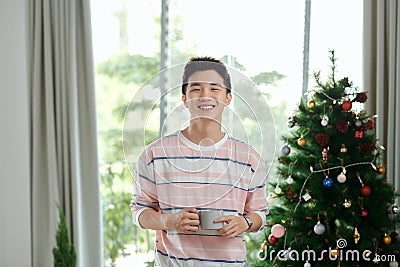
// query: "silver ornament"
[[341, 178], [319, 228], [395, 209], [358, 123], [290, 123], [278, 190], [285, 150]]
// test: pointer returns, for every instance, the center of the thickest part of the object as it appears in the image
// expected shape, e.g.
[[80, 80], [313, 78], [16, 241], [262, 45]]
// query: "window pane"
[[336, 25]]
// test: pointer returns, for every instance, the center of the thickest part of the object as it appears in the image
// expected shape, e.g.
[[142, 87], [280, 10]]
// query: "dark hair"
[[202, 64]]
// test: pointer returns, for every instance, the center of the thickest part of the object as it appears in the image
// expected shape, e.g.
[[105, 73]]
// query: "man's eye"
[[215, 89], [194, 89]]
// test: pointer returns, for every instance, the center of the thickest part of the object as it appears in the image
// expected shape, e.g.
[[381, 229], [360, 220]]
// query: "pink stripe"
[[218, 248]]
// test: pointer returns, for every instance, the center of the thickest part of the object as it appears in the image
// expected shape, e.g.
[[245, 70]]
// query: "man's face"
[[206, 95]]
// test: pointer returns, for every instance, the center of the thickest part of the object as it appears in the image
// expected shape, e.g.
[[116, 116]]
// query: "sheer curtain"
[[63, 130], [382, 77]]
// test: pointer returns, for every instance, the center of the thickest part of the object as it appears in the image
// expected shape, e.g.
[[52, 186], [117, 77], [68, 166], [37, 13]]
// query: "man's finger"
[[226, 219]]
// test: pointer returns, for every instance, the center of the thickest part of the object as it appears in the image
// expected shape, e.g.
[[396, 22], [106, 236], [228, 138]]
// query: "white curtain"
[[63, 130], [381, 53]]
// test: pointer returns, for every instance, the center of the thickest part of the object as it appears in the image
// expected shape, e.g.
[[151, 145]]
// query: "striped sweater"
[[173, 173]]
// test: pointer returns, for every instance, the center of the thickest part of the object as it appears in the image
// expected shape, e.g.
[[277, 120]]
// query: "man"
[[200, 168]]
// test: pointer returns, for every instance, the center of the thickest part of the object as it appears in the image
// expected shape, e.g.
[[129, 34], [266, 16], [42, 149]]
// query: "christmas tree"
[[333, 204]]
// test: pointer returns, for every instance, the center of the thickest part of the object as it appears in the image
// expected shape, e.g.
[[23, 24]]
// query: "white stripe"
[[202, 165], [209, 198], [164, 261], [233, 151], [204, 249], [203, 181]]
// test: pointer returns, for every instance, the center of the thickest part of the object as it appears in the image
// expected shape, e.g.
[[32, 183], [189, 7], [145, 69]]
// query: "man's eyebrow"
[[193, 83], [217, 84], [197, 83]]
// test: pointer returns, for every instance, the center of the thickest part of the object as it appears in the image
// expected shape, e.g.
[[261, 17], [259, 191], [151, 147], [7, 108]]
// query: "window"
[[331, 29], [262, 42]]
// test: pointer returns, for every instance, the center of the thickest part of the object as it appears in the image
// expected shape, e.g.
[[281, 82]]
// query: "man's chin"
[[208, 117]]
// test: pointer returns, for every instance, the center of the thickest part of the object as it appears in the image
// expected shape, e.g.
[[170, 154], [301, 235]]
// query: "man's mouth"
[[206, 107]]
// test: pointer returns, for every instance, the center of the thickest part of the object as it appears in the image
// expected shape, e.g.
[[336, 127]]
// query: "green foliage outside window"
[[117, 80]]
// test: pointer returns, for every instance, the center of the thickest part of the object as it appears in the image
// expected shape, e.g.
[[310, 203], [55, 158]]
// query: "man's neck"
[[203, 133]]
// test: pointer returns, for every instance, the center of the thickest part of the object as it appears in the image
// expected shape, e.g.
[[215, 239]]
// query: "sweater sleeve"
[[256, 200], [145, 191]]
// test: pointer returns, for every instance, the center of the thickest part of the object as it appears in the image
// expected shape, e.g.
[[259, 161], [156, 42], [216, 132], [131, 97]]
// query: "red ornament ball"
[[272, 239], [364, 213], [347, 105], [365, 190]]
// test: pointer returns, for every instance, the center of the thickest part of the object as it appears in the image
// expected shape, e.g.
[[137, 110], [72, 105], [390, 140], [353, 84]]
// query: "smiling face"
[[206, 95]]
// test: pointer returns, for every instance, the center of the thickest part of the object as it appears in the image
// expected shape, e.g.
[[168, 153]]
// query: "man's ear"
[[228, 98], [184, 100]]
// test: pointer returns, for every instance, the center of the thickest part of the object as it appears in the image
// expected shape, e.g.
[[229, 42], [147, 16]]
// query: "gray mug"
[[207, 218]]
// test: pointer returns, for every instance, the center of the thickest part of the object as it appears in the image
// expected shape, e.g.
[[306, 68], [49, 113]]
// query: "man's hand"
[[234, 226], [187, 221]]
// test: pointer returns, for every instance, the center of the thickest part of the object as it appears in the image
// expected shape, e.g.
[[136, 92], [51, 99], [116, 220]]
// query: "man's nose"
[[205, 92]]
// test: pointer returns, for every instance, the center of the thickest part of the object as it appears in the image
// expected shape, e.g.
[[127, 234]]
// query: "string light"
[[341, 166], [329, 97], [301, 193]]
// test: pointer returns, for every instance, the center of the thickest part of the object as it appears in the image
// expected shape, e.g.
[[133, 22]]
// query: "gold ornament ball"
[[335, 252], [311, 104], [264, 246], [301, 141], [387, 240], [343, 149], [381, 169]]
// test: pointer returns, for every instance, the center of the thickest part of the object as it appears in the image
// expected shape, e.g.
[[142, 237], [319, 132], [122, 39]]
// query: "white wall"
[[15, 221]]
